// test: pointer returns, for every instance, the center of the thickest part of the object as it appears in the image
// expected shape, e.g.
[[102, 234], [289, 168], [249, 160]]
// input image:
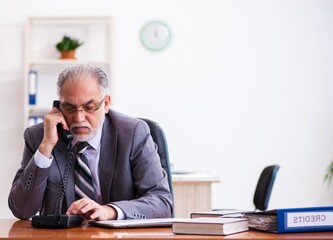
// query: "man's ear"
[[107, 103]]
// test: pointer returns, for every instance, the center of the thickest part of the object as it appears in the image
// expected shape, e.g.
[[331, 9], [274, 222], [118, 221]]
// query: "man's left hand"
[[89, 209]]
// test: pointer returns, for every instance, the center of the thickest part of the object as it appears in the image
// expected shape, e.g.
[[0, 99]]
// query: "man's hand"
[[89, 209], [50, 137]]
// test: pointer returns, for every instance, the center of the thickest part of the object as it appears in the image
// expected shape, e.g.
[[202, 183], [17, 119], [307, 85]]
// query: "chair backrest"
[[159, 138], [264, 187]]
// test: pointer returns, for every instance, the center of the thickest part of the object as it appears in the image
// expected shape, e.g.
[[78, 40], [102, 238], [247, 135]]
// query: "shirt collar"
[[96, 141]]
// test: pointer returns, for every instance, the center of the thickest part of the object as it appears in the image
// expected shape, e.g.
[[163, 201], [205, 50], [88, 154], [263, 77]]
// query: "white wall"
[[243, 84]]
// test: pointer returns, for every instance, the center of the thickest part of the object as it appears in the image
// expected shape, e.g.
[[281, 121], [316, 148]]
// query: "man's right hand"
[[50, 137]]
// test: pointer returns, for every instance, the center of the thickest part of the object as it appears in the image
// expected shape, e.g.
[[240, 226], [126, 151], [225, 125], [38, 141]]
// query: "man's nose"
[[79, 115]]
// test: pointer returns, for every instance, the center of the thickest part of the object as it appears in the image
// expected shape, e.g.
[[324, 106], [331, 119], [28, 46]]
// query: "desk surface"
[[18, 229]]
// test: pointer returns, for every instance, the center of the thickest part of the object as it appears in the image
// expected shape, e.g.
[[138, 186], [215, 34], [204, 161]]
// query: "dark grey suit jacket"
[[130, 173]]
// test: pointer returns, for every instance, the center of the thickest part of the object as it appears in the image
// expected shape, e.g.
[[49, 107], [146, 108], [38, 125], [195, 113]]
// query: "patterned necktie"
[[83, 180]]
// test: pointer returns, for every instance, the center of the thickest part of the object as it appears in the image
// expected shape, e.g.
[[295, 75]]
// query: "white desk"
[[192, 192]]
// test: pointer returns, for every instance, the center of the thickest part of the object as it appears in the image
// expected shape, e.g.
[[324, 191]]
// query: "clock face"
[[155, 35]]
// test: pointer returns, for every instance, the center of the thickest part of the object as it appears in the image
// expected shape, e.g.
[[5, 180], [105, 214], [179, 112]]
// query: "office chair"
[[264, 187], [159, 138], [263, 190]]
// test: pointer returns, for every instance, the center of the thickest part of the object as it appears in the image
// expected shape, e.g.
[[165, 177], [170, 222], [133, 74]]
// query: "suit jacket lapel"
[[108, 156]]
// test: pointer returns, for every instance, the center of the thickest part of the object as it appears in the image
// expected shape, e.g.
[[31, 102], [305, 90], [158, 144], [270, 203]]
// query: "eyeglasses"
[[89, 107]]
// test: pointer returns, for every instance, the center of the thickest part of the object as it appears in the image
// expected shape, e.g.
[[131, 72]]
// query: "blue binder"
[[33, 76], [311, 219], [284, 220]]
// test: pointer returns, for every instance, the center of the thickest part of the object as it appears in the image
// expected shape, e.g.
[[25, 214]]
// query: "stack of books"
[[210, 226], [310, 219]]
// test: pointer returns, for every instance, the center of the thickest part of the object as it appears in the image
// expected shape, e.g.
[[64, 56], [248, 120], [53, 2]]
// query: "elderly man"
[[123, 175]]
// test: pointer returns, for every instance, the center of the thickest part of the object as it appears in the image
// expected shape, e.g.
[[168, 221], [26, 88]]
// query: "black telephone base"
[[56, 221]]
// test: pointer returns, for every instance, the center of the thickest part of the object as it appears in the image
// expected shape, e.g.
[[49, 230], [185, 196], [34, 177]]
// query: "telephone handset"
[[64, 134], [59, 220]]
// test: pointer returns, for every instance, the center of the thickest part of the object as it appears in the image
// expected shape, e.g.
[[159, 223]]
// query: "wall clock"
[[155, 35]]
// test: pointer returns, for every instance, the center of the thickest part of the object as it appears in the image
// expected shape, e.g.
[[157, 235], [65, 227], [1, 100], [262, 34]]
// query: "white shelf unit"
[[41, 55]]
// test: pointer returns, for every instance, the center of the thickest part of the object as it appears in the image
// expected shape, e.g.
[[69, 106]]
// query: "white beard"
[[86, 137]]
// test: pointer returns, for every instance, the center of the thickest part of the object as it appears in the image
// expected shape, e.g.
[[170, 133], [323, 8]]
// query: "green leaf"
[[67, 44], [329, 174]]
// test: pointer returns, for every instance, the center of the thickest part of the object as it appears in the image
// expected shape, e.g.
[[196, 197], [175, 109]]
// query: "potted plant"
[[67, 47], [329, 174]]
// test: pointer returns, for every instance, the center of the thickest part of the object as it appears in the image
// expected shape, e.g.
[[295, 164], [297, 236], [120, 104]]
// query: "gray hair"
[[83, 71]]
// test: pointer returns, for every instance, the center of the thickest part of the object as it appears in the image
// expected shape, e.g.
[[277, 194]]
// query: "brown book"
[[210, 226]]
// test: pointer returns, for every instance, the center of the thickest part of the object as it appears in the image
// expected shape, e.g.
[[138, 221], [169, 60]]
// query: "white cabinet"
[[42, 57]]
